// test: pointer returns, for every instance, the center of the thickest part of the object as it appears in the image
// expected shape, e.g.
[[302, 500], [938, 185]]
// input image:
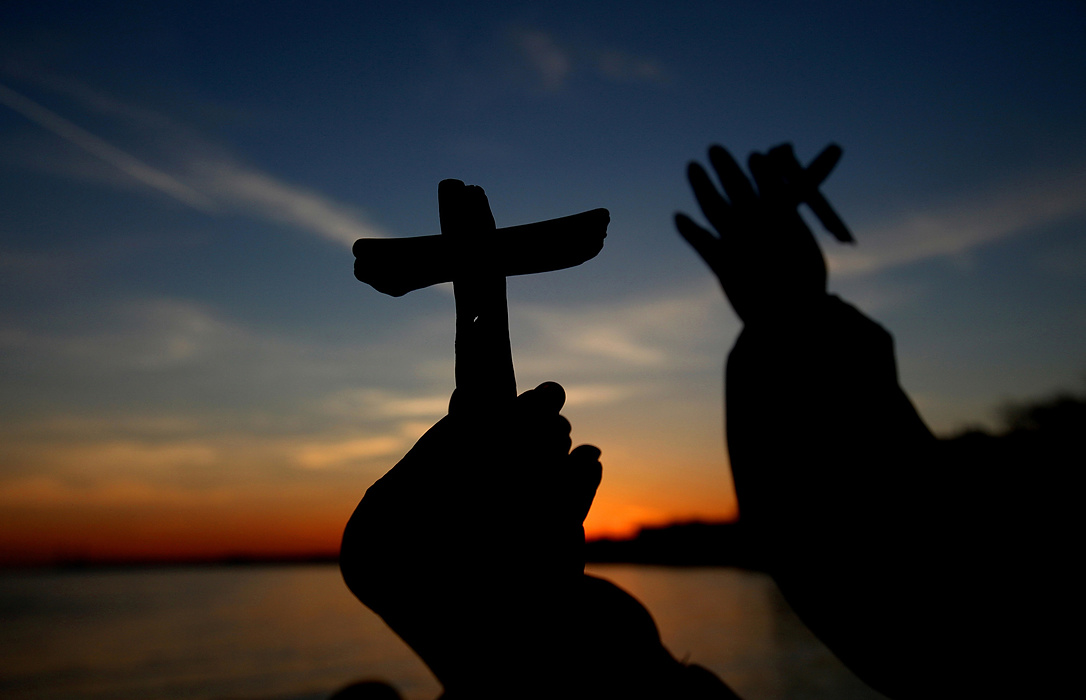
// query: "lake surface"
[[295, 632]]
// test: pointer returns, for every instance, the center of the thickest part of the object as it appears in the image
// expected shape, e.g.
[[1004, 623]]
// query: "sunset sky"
[[188, 366]]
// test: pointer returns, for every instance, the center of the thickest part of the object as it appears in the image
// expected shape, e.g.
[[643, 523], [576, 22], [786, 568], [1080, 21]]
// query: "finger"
[[713, 205], [802, 185], [823, 163], [797, 252], [541, 424], [545, 437], [771, 173], [735, 182], [484, 363], [587, 475], [783, 160], [708, 246], [830, 220], [769, 178], [562, 431], [816, 173]]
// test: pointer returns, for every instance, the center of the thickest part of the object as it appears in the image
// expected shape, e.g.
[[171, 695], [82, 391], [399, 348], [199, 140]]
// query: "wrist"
[[794, 313]]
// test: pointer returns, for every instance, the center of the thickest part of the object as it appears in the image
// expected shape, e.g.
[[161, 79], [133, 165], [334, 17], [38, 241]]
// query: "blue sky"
[[180, 184]]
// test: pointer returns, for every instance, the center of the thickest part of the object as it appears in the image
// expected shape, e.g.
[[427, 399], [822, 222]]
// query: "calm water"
[[296, 632]]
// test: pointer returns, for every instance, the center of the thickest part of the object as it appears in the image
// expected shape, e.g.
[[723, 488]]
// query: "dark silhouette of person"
[[928, 573]]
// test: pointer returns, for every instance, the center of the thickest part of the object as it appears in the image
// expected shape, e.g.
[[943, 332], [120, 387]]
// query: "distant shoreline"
[[680, 544], [693, 543]]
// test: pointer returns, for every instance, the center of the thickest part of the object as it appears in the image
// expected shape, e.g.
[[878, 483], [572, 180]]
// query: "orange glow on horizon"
[[239, 502], [269, 528]]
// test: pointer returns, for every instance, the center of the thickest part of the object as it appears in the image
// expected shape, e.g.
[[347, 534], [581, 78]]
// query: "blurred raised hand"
[[767, 260]]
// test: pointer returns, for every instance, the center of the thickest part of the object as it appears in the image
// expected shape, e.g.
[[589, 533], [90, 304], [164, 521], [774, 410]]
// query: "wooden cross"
[[476, 257]]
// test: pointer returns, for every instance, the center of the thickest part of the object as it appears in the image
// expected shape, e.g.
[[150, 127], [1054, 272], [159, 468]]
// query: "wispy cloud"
[[262, 196], [203, 177], [624, 340], [624, 67], [372, 403], [147, 335], [198, 461], [149, 176], [549, 61], [323, 455], [188, 372], [554, 62], [174, 354], [92, 98], [51, 491], [964, 226], [597, 394]]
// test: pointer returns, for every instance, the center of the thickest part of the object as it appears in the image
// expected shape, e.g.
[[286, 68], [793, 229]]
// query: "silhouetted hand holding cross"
[[471, 548]]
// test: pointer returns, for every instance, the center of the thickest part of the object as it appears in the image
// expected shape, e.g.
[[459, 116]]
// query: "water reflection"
[[201, 633], [737, 624], [296, 632]]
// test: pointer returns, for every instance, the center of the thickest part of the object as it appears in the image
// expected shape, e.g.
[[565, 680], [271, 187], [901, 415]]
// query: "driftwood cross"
[[477, 257]]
